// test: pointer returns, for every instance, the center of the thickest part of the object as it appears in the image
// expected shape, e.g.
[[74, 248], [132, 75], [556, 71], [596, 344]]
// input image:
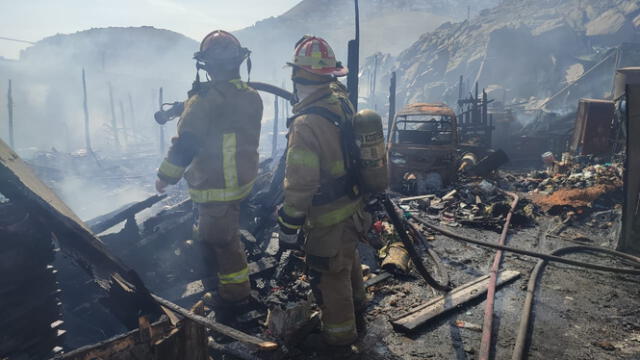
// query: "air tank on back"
[[367, 127]]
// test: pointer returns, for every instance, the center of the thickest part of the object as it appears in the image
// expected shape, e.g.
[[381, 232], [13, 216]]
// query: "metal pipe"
[[487, 328]]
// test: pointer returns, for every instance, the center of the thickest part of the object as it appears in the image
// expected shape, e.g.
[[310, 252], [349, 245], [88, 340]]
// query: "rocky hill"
[[524, 50], [389, 26]]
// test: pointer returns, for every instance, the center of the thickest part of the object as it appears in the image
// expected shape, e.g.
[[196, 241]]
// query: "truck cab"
[[422, 147]]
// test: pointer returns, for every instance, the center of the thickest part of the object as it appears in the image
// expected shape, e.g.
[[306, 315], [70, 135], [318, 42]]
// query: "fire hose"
[[543, 256], [176, 108], [555, 256], [487, 328], [536, 275]]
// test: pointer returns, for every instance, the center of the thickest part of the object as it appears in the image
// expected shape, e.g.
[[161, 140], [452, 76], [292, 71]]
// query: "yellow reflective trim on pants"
[[221, 195], [290, 226], [338, 332], [335, 216], [229, 166], [293, 212], [239, 84], [170, 170], [337, 168], [238, 277], [302, 157]]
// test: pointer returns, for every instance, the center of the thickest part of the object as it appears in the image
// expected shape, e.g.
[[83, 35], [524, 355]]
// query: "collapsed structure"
[[557, 195]]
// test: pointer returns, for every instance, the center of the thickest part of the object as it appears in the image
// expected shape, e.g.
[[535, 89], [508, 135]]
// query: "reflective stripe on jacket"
[[224, 120], [314, 157]]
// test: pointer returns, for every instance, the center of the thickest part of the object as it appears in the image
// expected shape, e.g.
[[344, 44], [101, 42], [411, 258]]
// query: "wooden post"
[[160, 102], [87, 137], [628, 83], [133, 116], [274, 141], [114, 124], [372, 89], [124, 124], [392, 104], [353, 61], [195, 336], [10, 110]]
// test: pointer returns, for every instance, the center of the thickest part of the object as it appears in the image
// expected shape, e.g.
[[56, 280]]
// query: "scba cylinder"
[[367, 127]]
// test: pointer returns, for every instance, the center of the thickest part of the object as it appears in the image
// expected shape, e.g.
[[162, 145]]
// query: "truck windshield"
[[423, 130]]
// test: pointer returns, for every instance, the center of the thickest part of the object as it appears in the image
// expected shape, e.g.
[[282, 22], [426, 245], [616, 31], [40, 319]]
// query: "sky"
[[33, 20]]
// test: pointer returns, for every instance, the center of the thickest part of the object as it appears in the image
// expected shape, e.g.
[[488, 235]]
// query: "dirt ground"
[[578, 314]]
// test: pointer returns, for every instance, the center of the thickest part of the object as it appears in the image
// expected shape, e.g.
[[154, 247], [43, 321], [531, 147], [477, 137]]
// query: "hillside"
[[525, 50], [389, 26]]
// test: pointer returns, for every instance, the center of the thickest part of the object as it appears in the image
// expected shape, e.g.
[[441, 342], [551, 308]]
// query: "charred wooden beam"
[[161, 340], [217, 327], [22, 186], [107, 221], [30, 317], [419, 315]]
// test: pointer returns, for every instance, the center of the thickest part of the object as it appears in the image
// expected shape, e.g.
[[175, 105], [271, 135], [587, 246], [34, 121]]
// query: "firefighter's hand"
[[161, 185]]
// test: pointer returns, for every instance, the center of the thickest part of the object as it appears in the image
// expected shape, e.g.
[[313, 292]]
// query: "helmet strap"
[[296, 98]]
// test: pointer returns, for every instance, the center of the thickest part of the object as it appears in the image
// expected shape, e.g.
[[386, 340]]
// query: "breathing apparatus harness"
[[350, 183]]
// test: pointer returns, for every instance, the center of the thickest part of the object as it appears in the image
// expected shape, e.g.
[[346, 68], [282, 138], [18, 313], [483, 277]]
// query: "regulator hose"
[[442, 273], [399, 225]]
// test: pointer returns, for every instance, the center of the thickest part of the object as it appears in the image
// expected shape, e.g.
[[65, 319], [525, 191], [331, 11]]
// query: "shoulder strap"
[[324, 113], [350, 182]]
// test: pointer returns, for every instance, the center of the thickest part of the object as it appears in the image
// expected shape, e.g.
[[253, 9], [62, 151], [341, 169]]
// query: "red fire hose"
[[485, 345]]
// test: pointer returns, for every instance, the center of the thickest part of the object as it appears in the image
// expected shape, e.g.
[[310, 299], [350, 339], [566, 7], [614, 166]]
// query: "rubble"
[[537, 55]]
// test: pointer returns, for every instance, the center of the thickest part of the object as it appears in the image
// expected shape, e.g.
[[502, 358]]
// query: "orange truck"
[[422, 146]]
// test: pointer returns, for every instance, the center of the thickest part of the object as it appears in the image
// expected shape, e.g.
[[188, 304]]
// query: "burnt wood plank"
[[23, 187], [456, 297]]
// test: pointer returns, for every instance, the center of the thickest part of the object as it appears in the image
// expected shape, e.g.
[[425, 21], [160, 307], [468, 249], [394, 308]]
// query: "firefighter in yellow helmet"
[[320, 195], [217, 152]]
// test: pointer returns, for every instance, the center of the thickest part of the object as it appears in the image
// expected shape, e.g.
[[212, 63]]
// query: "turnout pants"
[[337, 283], [219, 227]]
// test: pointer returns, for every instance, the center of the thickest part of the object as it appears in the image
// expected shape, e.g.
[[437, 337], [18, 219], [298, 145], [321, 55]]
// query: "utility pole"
[[274, 141], [392, 103], [353, 61], [133, 116], [87, 137], [124, 124], [114, 124], [372, 96], [10, 110], [160, 102]]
